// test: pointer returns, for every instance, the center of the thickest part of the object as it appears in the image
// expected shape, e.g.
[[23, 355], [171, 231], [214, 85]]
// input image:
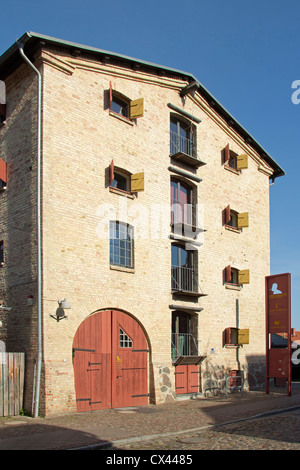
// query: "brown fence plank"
[[12, 367]]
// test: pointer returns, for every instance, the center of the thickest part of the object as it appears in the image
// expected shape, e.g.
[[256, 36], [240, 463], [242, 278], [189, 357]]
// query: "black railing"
[[183, 279], [180, 144], [183, 344]]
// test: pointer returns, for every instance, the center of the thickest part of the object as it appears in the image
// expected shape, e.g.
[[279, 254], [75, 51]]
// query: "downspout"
[[39, 257]]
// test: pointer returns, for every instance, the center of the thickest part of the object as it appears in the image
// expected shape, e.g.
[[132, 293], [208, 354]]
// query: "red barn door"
[[110, 362]]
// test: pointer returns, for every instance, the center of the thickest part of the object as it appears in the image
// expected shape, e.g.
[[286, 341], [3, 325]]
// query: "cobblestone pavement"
[[275, 432]]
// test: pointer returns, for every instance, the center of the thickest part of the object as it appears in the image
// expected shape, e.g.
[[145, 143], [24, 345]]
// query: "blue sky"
[[245, 53]]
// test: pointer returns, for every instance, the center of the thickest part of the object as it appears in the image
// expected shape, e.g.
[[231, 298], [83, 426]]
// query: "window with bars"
[[124, 340], [121, 244]]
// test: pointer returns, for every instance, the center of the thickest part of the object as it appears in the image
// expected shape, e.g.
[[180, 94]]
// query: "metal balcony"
[[183, 344], [184, 279]]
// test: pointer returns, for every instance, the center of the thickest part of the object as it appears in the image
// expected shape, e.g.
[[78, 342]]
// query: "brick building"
[[143, 206]]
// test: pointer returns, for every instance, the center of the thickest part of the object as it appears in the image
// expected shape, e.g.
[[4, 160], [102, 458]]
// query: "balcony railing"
[[183, 344], [184, 279], [181, 144]]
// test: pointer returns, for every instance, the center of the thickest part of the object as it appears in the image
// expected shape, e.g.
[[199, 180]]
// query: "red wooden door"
[[91, 359], [187, 379], [129, 362], [110, 362]]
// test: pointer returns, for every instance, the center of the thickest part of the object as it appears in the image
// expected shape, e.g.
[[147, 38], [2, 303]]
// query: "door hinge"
[[145, 395], [81, 349]]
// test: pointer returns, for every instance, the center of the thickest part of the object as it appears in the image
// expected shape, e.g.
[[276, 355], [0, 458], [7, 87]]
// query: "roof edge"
[[31, 37]]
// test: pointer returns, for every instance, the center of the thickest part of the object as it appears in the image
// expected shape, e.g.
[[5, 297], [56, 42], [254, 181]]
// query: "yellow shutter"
[[243, 220], [244, 276], [137, 108], [137, 182], [243, 336], [242, 162]]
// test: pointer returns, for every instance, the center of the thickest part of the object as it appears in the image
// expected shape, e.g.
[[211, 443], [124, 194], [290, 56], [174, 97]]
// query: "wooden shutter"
[[227, 215], [3, 171], [243, 220], [137, 108], [111, 172], [243, 336], [137, 182], [244, 276], [2, 112], [226, 154], [242, 162], [228, 274]]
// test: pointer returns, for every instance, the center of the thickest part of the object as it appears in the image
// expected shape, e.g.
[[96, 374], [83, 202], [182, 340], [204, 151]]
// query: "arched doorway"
[[110, 362]]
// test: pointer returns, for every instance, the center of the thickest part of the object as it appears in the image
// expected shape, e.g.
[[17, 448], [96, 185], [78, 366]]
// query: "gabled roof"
[[31, 41]]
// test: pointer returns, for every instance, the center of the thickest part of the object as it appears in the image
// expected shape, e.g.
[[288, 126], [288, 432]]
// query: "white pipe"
[[39, 257]]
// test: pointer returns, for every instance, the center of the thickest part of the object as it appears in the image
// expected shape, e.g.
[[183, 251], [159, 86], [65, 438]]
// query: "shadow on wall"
[[214, 375]]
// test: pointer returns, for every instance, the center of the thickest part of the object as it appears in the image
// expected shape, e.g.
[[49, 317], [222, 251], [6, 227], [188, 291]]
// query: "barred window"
[[124, 340], [121, 244]]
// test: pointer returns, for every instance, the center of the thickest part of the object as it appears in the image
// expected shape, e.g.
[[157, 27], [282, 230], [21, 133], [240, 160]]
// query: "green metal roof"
[[31, 41]]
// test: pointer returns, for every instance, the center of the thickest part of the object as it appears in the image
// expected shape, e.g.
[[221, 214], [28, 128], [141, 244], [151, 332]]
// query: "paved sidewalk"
[[121, 426]]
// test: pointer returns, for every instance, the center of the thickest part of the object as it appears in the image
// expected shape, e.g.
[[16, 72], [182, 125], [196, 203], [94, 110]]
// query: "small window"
[[236, 277], [234, 161], [119, 107], [124, 340], [121, 244], [122, 180], [235, 220], [235, 336]]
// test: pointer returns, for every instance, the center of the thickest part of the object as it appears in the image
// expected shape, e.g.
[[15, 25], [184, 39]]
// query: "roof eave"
[[11, 59]]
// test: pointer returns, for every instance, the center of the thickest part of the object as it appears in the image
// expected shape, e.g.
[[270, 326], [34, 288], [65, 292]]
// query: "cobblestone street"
[[276, 432]]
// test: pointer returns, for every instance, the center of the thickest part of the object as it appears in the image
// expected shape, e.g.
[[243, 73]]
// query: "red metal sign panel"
[[278, 363], [278, 303], [278, 320]]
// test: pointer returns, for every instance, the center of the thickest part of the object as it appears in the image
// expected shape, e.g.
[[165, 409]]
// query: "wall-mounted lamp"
[[64, 304], [60, 314]]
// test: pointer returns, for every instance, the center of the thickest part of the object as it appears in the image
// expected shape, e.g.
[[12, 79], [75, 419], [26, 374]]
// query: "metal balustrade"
[[184, 279]]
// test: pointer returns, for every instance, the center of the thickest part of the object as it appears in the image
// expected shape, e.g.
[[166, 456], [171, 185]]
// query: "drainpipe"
[[39, 257]]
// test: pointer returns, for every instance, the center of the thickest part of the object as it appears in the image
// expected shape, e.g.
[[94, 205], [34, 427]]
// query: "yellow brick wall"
[[80, 140]]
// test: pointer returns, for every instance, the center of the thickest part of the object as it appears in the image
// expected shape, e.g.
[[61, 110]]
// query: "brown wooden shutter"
[[137, 182], [2, 112], [228, 274], [244, 276], [3, 171], [227, 336], [137, 108], [242, 162], [243, 336], [226, 154], [111, 172], [227, 215], [243, 220]]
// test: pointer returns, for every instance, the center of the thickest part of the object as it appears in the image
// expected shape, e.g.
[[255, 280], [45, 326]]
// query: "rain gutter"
[[39, 257]]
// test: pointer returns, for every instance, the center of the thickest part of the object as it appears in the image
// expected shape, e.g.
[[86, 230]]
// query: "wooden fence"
[[12, 366]]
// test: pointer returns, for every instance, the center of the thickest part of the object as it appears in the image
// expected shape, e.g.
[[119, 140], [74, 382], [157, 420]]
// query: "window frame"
[[182, 278], [186, 125], [127, 245], [188, 209]]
